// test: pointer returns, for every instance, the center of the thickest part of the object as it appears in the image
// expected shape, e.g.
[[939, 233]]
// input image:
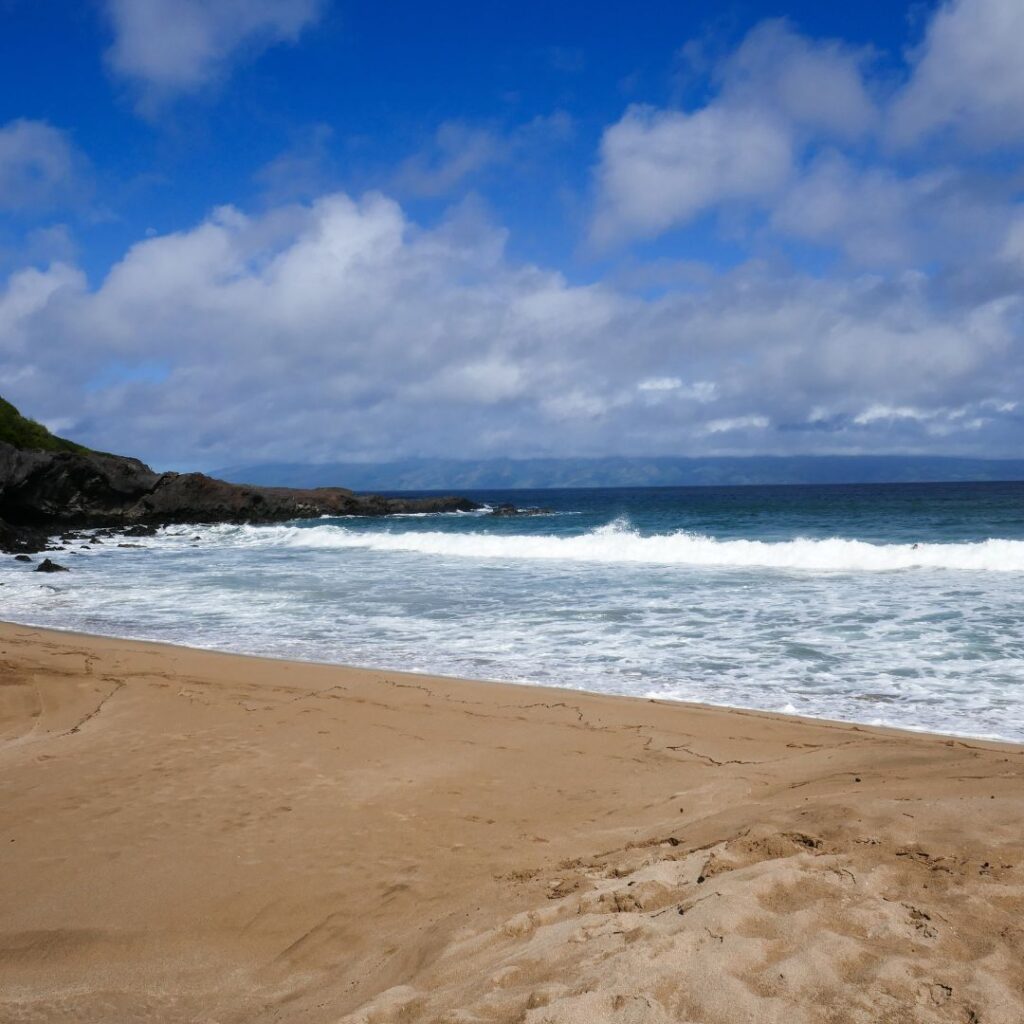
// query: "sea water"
[[899, 605]]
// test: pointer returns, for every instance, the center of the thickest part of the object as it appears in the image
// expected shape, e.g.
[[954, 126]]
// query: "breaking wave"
[[619, 543]]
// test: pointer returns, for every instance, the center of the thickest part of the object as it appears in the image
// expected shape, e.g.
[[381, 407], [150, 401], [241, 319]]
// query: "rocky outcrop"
[[508, 511], [43, 492], [47, 566], [21, 538]]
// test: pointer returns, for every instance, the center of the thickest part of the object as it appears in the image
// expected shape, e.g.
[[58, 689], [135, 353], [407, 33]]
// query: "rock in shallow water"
[[48, 566], [507, 511]]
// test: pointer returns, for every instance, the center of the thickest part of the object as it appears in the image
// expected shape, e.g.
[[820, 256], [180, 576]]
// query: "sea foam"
[[617, 542]]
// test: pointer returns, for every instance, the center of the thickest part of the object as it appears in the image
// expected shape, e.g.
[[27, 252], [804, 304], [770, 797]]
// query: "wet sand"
[[190, 836]]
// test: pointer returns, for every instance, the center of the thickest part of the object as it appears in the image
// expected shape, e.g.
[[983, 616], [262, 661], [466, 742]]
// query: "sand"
[[190, 836]]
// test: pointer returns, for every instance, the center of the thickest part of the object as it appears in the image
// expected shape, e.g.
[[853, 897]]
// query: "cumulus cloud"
[[661, 168], [818, 85], [658, 169], [882, 218], [733, 423], [39, 167], [802, 133], [340, 329], [674, 387], [167, 47], [967, 77]]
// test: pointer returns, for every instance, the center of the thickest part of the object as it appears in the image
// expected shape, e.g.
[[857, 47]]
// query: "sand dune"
[[187, 836]]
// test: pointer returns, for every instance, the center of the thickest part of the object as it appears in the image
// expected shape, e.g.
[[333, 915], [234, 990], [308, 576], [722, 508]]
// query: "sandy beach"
[[191, 836]]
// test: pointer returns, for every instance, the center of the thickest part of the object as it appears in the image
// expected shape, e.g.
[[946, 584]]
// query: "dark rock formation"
[[23, 558], [43, 492], [508, 511], [21, 538], [47, 566], [140, 531]]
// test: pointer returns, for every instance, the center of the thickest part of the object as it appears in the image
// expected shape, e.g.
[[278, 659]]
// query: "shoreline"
[[193, 835], [547, 687]]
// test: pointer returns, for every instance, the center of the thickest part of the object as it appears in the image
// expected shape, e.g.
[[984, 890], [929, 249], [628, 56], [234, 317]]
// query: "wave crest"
[[618, 543]]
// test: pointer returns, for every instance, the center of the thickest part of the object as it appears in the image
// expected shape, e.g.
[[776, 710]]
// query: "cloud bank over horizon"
[[870, 299]]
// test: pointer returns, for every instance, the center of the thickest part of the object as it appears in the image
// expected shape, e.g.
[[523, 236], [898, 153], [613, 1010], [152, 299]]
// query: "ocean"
[[897, 605]]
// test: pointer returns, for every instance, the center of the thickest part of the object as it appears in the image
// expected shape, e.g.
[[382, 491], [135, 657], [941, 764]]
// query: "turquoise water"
[[897, 605]]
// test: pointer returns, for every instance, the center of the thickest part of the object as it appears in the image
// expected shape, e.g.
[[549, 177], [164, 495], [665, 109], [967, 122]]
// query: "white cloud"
[[814, 85], [967, 77], [1013, 243], [875, 413], [39, 167], [661, 168], [660, 384], [791, 145], [179, 46], [730, 424], [865, 212], [880, 218], [340, 330], [941, 422], [698, 391]]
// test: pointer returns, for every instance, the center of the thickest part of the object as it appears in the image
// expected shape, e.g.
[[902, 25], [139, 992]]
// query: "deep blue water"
[[879, 513]]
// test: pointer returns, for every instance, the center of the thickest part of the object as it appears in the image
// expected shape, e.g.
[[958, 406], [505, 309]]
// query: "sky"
[[239, 231]]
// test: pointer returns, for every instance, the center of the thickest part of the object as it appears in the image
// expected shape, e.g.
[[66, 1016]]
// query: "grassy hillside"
[[21, 432]]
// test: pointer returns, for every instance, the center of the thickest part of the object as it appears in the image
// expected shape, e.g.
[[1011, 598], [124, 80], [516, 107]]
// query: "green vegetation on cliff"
[[22, 432]]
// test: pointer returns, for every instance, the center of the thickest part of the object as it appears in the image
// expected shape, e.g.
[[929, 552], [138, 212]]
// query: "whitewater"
[[618, 542], [885, 605]]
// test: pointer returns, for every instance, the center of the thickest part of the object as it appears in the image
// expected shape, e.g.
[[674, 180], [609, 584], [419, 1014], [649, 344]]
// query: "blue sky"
[[238, 230]]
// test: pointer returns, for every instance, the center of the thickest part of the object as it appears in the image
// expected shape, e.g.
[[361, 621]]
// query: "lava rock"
[[23, 558], [507, 511], [141, 530], [65, 489], [20, 539], [47, 566]]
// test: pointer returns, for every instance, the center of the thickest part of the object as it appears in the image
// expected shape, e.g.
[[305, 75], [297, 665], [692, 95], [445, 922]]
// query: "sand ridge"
[[189, 836]]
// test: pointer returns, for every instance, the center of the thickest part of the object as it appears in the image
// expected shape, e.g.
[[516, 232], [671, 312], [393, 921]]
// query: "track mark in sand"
[[448, 699], [707, 758], [551, 707], [119, 684], [317, 694], [409, 686], [807, 748]]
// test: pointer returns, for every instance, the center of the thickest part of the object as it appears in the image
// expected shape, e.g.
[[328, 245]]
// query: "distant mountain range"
[[501, 474]]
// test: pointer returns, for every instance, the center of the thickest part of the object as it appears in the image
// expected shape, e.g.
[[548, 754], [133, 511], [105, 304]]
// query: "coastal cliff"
[[47, 484]]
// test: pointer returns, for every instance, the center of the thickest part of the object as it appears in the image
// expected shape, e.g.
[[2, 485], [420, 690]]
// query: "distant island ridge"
[[426, 474]]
